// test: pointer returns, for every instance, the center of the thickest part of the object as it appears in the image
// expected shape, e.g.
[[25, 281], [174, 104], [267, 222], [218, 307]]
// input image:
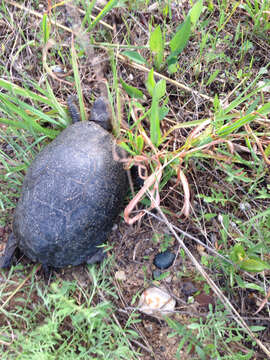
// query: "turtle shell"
[[71, 196]]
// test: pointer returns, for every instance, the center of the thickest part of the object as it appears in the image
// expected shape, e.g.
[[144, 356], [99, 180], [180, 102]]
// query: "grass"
[[63, 320], [188, 85]]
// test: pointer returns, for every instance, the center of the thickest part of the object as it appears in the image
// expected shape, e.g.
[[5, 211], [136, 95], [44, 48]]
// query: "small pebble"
[[155, 301], [57, 69], [164, 260], [188, 288], [204, 300], [168, 279], [156, 274], [120, 275]]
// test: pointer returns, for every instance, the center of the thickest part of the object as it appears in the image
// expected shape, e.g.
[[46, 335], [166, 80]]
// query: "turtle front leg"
[[6, 259], [99, 256]]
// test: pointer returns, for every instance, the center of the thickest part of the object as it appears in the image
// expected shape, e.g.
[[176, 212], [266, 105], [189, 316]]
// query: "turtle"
[[71, 196]]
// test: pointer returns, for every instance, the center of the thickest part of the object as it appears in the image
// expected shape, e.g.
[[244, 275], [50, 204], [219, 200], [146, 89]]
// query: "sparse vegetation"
[[189, 87]]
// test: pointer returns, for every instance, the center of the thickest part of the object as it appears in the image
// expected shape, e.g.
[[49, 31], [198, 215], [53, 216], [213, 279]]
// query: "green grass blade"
[[111, 4], [17, 90], [77, 82]]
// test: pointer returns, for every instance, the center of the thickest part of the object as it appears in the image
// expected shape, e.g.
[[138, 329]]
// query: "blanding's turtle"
[[71, 195]]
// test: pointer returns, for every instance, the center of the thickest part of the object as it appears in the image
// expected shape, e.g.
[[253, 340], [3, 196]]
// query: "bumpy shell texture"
[[71, 196]]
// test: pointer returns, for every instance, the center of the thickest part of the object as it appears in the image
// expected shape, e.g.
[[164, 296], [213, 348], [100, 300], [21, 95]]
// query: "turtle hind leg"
[[47, 272], [11, 246]]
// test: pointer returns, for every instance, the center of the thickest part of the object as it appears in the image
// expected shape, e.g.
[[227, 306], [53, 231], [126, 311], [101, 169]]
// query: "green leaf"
[[157, 45], [172, 64], [253, 105], [228, 129], [195, 12], [162, 276], [135, 56], [163, 111], [267, 150], [194, 326], [209, 216], [181, 38], [252, 286], [238, 253], [217, 104], [160, 88], [254, 265], [131, 90], [155, 133], [151, 83], [156, 40], [257, 328]]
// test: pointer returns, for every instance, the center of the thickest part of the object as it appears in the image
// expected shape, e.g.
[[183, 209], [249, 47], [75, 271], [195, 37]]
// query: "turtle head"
[[100, 114]]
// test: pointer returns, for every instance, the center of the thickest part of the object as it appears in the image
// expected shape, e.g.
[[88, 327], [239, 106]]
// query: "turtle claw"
[[47, 272], [11, 246]]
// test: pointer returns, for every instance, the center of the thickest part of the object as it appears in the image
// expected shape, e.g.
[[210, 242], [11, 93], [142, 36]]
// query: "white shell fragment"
[[155, 301]]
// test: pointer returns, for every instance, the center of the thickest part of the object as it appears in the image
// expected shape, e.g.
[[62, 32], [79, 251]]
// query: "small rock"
[[204, 300], [156, 274], [148, 325], [120, 275], [57, 69], [155, 301], [168, 279], [188, 288], [164, 260], [266, 88]]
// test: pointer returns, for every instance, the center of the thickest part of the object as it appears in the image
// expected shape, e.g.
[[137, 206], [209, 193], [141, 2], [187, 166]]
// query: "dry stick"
[[37, 14], [214, 287]]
